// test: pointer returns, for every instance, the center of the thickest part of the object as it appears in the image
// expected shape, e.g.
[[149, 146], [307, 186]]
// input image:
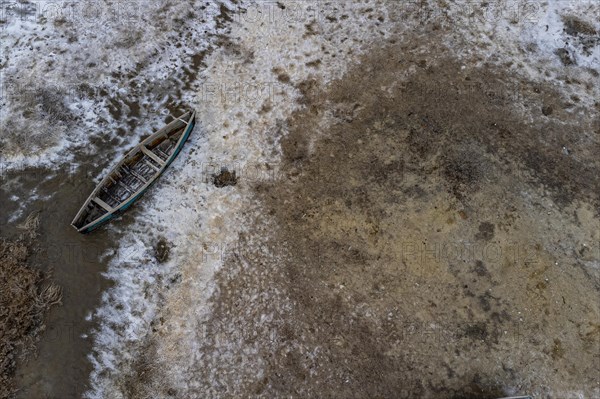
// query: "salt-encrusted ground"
[[79, 75], [246, 94], [360, 131], [271, 326]]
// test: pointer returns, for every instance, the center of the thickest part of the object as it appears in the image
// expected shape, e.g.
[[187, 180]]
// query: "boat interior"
[[141, 166]]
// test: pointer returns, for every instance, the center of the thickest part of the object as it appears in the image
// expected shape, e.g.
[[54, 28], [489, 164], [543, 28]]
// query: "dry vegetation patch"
[[26, 294]]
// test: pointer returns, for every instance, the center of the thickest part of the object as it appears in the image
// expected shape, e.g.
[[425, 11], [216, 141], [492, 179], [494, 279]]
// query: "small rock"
[[547, 110], [486, 231], [225, 178], [162, 250]]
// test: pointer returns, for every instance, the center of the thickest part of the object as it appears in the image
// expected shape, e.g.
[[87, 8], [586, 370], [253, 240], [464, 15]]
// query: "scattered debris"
[[162, 250], [547, 110], [575, 26], [31, 224], [225, 178]]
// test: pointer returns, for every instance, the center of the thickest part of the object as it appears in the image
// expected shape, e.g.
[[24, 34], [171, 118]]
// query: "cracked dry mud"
[[429, 238]]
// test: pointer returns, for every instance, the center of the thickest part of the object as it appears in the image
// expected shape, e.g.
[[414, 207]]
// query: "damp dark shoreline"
[[61, 368]]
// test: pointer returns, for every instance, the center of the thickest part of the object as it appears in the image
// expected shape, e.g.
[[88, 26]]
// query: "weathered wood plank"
[[103, 204], [152, 155]]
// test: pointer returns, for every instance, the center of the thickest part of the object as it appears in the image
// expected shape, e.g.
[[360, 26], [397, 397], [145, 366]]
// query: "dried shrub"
[[26, 294]]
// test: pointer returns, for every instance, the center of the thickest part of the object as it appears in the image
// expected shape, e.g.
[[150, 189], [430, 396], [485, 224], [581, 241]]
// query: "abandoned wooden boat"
[[134, 174]]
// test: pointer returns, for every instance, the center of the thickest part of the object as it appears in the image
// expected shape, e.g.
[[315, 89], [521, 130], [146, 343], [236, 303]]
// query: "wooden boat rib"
[[134, 174]]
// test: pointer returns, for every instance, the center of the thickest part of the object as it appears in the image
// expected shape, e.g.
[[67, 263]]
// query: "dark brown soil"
[[422, 247]]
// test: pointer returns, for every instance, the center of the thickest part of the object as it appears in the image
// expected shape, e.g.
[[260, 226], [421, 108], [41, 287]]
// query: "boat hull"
[[123, 207]]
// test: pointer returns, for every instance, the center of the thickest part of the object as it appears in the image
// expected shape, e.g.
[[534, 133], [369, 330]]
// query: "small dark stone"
[[484, 301], [477, 331], [282, 76], [225, 178], [162, 250], [480, 269], [547, 110], [486, 231]]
